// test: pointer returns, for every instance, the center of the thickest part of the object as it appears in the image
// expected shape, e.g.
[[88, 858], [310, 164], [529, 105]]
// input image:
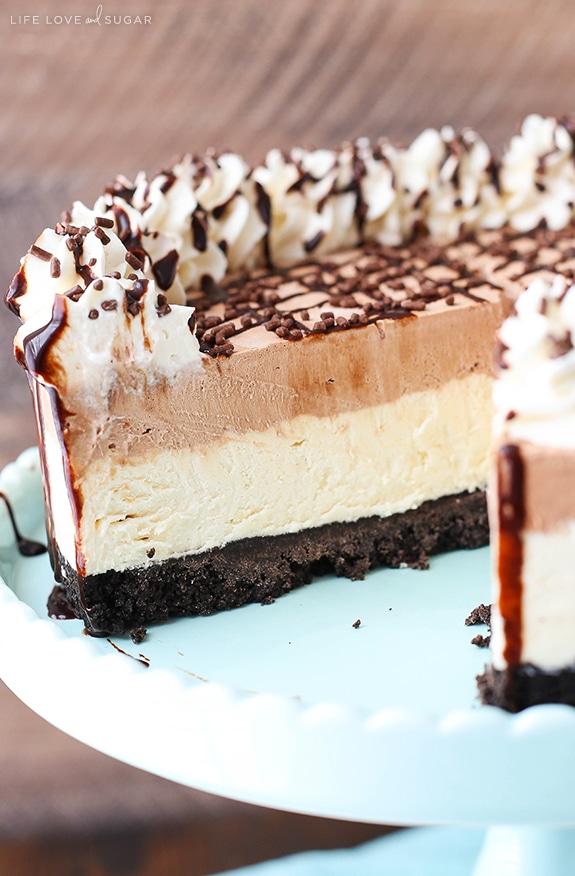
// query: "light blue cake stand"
[[296, 706]]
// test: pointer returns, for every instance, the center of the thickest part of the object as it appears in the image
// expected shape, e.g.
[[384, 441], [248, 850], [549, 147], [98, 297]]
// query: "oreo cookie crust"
[[262, 569]]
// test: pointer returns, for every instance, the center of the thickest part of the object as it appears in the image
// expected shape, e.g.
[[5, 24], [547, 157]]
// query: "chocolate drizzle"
[[313, 242], [264, 208], [510, 484], [199, 230], [355, 289], [58, 605], [141, 658], [134, 296], [132, 240], [37, 344], [17, 288], [75, 243], [360, 209], [164, 269], [35, 358], [26, 547]]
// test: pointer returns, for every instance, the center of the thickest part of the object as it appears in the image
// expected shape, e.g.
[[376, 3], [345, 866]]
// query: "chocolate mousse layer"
[[262, 569], [549, 486]]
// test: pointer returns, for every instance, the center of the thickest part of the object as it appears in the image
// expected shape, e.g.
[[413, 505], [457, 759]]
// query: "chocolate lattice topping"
[[375, 282]]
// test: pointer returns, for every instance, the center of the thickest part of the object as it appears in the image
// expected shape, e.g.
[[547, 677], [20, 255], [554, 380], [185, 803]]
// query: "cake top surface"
[[186, 237]]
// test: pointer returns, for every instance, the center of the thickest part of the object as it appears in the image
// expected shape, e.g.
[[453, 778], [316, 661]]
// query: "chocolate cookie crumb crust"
[[262, 569], [519, 687]]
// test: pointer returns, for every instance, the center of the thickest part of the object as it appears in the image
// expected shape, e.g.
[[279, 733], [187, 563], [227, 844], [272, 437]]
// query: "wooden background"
[[81, 102]]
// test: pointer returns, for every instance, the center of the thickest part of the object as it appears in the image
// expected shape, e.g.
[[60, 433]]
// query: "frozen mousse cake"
[[245, 377]]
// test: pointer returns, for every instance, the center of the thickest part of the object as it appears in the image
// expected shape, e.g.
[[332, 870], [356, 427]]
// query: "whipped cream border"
[[534, 394], [188, 226], [216, 214]]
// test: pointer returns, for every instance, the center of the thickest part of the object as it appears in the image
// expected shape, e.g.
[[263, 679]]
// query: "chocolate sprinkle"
[[383, 276], [102, 236], [75, 293], [103, 222], [134, 296], [162, 306], [377, 282], [40, 253], [134, 261]]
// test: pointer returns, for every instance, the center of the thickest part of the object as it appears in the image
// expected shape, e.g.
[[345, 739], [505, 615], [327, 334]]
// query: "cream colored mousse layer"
[[297, 474], [533, 616]]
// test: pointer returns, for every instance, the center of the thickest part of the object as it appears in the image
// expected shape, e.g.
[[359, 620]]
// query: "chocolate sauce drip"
[[168, 182], [59, 606], [131, 241], [493, 173], [34, 357], [304, 177], [120, 189], [219, 211], [164, 270], [360, 209], [26, 546], [141, 658], [134, 296], [313, 242], [264, 208], [510, 481], [38, 343], [264, 205], [199, 230], [17, 289], [77, 249]]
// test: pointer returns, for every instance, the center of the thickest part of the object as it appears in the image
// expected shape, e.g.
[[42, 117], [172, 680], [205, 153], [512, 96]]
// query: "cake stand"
[[352, 700]]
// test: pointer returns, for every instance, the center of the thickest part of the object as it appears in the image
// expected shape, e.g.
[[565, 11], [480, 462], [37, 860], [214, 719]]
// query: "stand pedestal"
[[527, 851], [440, 851], [301, 710]]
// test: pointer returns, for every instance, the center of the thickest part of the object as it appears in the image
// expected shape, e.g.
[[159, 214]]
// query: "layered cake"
[[532, 506], [247, 377]]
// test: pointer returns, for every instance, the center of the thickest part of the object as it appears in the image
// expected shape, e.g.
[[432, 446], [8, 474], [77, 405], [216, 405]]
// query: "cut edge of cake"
[[531, 507]]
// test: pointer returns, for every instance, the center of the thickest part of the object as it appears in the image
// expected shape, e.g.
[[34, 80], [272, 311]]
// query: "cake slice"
[[532, 505], [244, 378], [182, 481]]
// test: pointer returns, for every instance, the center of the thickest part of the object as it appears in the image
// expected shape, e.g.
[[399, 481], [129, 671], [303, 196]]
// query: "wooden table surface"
[[81, 102]]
